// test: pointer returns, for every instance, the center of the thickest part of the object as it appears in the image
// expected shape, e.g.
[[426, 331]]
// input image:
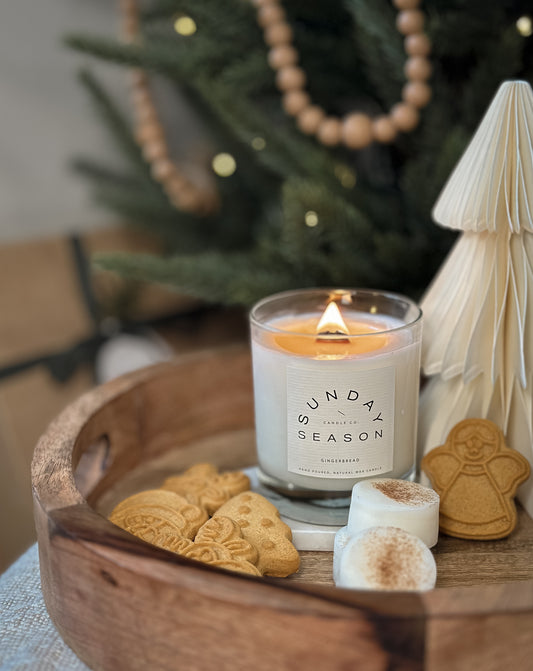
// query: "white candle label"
[[340, 424]]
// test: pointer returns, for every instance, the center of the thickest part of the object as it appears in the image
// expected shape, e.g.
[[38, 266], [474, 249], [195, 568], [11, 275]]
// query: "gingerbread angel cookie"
[[476, 476]]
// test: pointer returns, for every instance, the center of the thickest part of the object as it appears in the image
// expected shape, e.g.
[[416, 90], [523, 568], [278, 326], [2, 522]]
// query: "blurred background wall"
[[49, 229], [45, 117]]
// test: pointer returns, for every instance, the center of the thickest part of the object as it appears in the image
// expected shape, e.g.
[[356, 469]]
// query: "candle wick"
[[335, 337]]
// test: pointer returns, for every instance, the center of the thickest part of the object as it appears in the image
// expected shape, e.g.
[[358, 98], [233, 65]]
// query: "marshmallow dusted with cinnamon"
[[395, 503], [386, 558]]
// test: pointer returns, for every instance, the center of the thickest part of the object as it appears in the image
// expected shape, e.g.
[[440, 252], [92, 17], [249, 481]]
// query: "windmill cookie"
[[228, 533], [207, 551], [262, 527], [476, 476], [231, 553], [204, 486], [155, 512], [216, 554], [237, 565], [171, 542]]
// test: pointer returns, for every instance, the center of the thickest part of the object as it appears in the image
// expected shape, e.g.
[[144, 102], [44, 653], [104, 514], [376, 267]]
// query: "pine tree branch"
[[178, 231], [504, 56], [140, 204], [160, 57], [286, 153], [323, 247], [379, 46], [242, 118], [115, 122], [378, 233], [98, 173], [230, 19], [249, 76], [322, 29], [230, 279], [425, 174]]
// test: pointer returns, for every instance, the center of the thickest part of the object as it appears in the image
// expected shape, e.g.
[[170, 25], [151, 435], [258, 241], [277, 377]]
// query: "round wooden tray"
[[120, 603]]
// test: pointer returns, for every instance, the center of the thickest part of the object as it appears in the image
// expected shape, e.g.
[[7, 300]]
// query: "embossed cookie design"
[[216, 554], [219, 542], [222, 530], [176, 544], [202, 485], [237, 565], [154, 513], [476, 476], [250, 538], [261, 526]]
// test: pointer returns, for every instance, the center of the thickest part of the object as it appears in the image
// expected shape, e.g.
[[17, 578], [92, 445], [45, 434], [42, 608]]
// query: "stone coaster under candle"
[[313, 527]]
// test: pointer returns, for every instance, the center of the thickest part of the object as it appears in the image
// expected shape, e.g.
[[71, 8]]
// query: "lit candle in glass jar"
[[336, 376]]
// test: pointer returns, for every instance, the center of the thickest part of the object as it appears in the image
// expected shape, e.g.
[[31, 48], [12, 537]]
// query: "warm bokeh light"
[[524, 25], [184, 25], [258, 143], [224, 165], [346, 176], [311, 218]]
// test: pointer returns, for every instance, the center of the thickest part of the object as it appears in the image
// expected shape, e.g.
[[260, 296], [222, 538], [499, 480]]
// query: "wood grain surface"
[[123, 604]]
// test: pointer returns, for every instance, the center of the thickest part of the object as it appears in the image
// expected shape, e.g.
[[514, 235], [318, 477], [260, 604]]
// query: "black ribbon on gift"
[[62, 365]]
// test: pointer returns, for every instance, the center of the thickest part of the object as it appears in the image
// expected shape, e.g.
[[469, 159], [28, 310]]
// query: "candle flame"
[[332, 321]]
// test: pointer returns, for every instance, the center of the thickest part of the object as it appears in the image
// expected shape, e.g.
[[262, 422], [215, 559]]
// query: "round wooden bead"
[[406, 4], [405, 117], [141, 96], [149, 132], [295, 101], [210, 202], [176, 185], [138, 78], [162, 169], [417, 68], [310, 118], [278, 33], [146, 113], [130, 27], [263, 3], [383, 129], [417, 44], [410, 21], [269, 14], [330, 131], [280, 57], [189, 200], [416, 93], [155, 150], [357, 131], [127, 6], [290, 77]]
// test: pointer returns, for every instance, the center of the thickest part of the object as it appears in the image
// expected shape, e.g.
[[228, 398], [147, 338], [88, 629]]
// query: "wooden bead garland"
[[356, 130], [149, 133]]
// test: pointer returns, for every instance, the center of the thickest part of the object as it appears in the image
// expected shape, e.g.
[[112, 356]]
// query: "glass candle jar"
[[336, 379]]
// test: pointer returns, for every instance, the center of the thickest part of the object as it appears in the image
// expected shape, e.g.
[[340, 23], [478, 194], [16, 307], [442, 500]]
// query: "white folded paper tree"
[[478, 311]]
